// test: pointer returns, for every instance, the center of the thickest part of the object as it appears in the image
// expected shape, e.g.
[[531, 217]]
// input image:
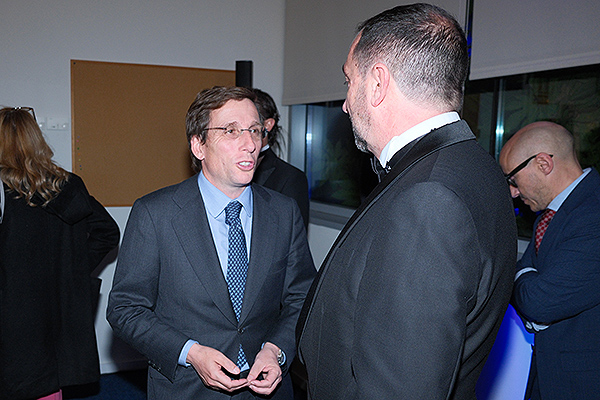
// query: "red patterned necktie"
[[542, 226]]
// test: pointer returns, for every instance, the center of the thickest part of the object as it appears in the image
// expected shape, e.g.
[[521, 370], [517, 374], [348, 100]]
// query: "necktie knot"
[[232, 212]]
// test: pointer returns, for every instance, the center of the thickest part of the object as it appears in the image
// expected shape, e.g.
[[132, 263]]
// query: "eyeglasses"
[[257, 132], [511, 174], [28, 109]]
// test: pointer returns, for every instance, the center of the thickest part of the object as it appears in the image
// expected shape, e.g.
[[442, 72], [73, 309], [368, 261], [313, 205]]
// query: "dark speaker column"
[[243, 74]]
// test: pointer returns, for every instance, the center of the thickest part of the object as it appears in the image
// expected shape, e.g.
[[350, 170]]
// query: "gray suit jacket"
[[169, 286], [412, 293]]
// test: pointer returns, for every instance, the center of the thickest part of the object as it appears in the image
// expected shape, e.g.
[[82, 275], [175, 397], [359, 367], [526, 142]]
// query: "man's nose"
[[248, 142], [514, 192]]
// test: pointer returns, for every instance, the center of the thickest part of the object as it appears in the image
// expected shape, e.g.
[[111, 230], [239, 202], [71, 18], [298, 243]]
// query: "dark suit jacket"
[[276, 174], [169, 286], [410, 297], [565, 294], [47, 294]]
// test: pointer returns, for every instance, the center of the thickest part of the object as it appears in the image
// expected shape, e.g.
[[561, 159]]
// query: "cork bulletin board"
[[128, 125]]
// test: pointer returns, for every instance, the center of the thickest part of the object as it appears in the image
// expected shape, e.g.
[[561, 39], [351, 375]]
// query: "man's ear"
[[269, 124], [197, 147], [545, 163], [381, 81]]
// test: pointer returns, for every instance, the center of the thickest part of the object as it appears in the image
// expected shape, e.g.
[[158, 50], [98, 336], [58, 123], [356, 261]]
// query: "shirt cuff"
[[535, 327], [524, 270], [184, 352]]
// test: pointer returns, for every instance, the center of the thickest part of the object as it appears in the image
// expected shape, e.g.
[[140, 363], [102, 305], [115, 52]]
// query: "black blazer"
[[47, 296], [169, 287], [276, 174], [411, 295]]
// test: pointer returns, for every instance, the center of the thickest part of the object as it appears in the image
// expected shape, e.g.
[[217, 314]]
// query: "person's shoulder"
[[288, 168], [586, 195], [73, 182], [186, 187], [270, 196]]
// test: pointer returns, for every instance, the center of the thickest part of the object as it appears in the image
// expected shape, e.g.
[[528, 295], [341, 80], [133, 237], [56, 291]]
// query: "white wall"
[[40, 37]]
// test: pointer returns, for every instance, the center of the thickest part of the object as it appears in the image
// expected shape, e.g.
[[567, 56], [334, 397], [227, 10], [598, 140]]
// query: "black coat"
[[276, 174], [409, 299], [47, 294]]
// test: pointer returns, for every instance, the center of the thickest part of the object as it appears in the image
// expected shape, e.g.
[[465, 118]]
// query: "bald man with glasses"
[[557, 280]]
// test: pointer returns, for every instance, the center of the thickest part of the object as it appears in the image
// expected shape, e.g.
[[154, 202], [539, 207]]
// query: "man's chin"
[[360, 143]]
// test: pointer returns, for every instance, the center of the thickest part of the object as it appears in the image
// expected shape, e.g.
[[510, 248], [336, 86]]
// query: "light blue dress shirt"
[[215, 202]]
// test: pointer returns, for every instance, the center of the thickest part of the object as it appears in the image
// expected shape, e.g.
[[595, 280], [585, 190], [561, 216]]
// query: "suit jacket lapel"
[[193, 232], [582, 191], [403, 161], [400, 163], [260, 254]]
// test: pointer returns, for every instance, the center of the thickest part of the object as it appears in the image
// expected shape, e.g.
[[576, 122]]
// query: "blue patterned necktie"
[[237, 264]]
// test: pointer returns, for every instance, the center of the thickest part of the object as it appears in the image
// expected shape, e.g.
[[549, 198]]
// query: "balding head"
[[552, 167], [542, 137]]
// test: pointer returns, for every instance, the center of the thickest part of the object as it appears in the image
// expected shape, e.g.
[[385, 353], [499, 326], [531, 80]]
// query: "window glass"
[[497, 108], [337, 171], [339, 174]]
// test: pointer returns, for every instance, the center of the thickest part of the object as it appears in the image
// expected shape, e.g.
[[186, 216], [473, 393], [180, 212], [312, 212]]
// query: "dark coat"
[[409, 299], [169, 286], [276, 174], [47, 294], [564, 293]]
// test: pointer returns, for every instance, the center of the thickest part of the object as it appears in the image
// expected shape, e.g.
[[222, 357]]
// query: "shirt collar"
[[215, 201], [562, 196], [421, 129]]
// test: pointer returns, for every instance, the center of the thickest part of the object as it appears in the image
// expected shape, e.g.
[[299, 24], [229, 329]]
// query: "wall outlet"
[[57, 124]]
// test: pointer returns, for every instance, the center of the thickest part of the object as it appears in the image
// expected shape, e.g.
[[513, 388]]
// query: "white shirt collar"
[[416, 132], [215, 201]]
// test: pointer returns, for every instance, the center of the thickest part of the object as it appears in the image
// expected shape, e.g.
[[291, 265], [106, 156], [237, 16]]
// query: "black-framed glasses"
[[511, 174], [28, 109], [257, 132]]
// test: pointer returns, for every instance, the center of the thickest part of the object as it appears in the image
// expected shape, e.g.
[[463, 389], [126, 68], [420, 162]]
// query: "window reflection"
[[339, 174]]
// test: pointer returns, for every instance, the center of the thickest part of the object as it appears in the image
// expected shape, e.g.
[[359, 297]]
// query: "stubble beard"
[[360, 122], [360, 142]]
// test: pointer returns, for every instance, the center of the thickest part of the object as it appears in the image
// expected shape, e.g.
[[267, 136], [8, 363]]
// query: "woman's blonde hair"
[[26, 165]]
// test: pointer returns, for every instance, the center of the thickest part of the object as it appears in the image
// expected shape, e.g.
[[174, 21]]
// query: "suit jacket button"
[[241, 330]]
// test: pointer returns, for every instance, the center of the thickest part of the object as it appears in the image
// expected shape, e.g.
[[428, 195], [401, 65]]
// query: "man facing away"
[[557, 280], [409, 299], [213, 271]]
